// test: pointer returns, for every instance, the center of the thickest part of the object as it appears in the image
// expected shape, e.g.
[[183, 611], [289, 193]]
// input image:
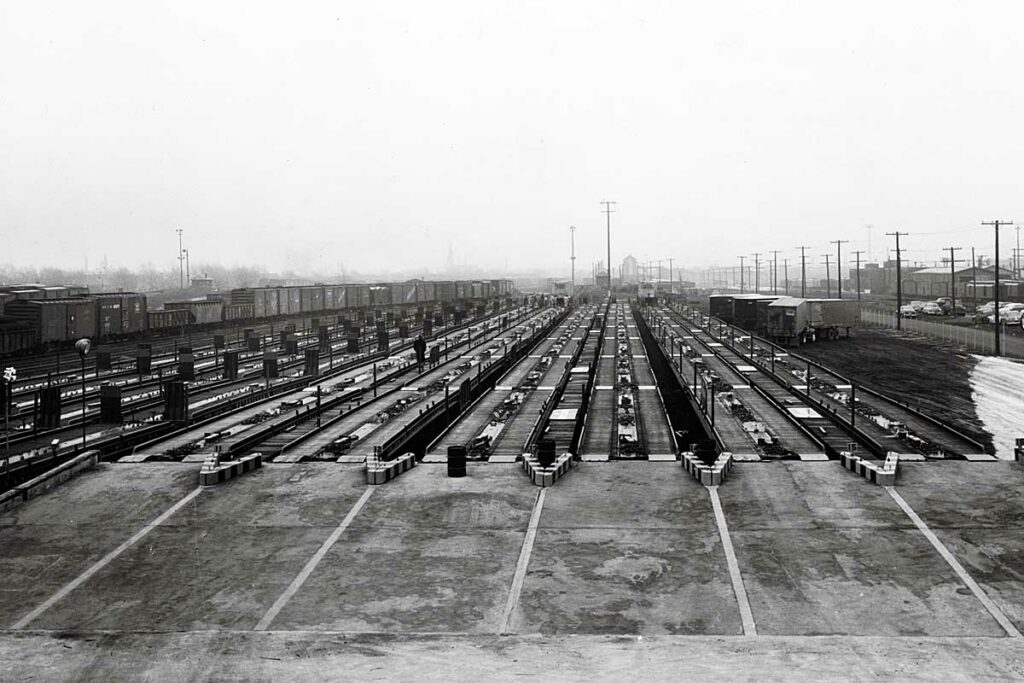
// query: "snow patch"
[[996, 387]]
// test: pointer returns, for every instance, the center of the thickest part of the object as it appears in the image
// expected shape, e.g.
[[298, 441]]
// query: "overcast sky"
[[309, 134]]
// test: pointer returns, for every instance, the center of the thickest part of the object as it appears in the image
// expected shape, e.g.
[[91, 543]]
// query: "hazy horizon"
[[405, 136]]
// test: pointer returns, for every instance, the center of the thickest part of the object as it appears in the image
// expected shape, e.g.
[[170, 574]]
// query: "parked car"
[[931, 308], [917, 305], [1010, 314], [908, 311]]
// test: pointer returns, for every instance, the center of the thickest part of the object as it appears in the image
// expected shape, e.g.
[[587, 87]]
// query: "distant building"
[[202, 283], [630, 273], [929, 283]]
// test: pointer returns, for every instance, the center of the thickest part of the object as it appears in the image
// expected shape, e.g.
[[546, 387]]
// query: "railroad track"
[[892, 425], [114, 441]]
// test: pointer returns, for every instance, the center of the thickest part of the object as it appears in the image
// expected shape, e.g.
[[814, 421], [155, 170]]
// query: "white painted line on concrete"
[[524, 561], [746, 616], [103, 562], [992, 608], [297, 582]]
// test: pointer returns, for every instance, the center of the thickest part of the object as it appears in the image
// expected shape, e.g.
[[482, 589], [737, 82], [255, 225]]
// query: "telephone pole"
[[757, 273], [803, 271], [181, 261], [828, 279], [742, 284], [899, 280], [785, 272], [608, 215], [858, 253], [996, 224], [671, 289], [952, 274], [572, 260], [839, 264]]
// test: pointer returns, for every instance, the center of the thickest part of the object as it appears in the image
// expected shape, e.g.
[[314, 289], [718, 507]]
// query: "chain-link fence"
[[975, 338]]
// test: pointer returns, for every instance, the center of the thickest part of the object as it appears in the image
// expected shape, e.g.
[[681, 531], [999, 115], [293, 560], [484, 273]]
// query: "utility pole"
[[858, 253], [899, 280], [974, 280], [572, 260], [828, 279], [608, 216], [671, 289], [803, 271], [775, 271], [188, 271], [785, 272], [996, 224], [757, 273], [839, 264], [181, 261], [1017, 253], [952, 274], [742, 284]]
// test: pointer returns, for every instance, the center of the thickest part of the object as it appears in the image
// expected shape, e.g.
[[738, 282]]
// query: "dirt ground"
[[929, 374]]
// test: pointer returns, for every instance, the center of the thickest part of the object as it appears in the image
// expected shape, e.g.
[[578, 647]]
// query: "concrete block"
[[216, 472], [382, 471], [714, 475], [547, 476]]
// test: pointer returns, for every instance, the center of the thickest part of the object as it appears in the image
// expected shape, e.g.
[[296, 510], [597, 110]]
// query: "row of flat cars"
[[1009, 313]]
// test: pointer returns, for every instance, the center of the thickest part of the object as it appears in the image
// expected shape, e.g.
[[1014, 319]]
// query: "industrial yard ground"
[[923, 372], [622, 570]]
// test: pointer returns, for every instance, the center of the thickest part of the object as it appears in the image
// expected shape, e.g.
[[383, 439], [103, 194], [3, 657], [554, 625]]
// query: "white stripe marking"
[[992, 608], [746, 616], [296, 583], [524, 561], [107, 559]]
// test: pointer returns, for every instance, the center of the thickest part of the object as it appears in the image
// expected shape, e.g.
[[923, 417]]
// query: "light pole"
[[83, 346]]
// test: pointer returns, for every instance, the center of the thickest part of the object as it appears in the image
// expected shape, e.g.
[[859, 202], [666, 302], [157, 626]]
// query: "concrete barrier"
[[713, 475], [546, 476], [883, 475], [381, 471], [46, 481], [215, 472]]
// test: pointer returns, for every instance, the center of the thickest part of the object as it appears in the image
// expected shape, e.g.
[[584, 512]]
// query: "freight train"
[[35, 316]]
